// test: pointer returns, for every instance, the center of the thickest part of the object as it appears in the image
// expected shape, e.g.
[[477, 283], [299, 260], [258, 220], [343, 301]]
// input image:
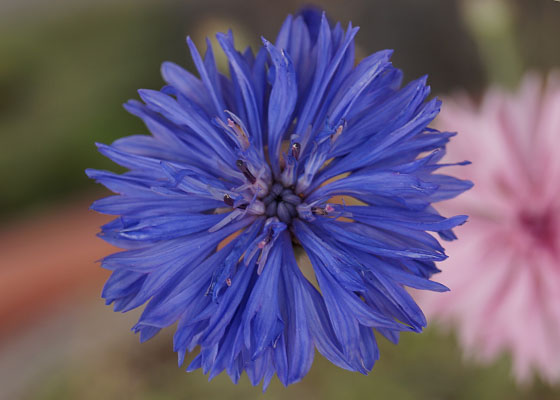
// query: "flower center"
[[540, 226], [281, 202]]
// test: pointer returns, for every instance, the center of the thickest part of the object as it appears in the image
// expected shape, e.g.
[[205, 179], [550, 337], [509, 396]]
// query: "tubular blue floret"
[[242, 173]]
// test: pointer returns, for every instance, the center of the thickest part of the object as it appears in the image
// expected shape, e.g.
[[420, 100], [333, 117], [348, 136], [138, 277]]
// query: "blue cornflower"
[[241, 171]]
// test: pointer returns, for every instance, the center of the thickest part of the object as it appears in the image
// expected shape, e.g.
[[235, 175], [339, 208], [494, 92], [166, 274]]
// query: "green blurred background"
[[67, 66]]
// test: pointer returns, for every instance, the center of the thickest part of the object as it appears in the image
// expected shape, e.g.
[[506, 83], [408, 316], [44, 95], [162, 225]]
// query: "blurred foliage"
[[62, 84], [491, 23], [422, 366]]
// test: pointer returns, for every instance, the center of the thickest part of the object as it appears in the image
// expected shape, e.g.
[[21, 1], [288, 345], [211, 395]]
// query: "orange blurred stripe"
[[47, 259]]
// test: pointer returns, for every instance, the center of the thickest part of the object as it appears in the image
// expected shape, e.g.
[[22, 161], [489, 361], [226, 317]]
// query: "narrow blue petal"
[[169, 306], [152, 204], [260, 84], [281, 103], [316, 316], [297, 335], [368, 347], [152, 229], [243, 75], [126, 184], [314, 95], [229, 302], [262, 320], [378, 242], [344, 318], [209, 76], [186, 114], [374, 148], [380, 183], [122, 284], [321, 252], [405, 309], [387, 216], [313, 20], [448, 187], [356, 83], [186, 83], [224, 271]]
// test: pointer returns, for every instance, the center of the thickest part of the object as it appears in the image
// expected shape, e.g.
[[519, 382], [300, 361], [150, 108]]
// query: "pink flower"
[[504, 273]]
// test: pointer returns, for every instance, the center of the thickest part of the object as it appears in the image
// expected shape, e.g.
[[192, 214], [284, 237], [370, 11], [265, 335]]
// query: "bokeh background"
[[66, 67]]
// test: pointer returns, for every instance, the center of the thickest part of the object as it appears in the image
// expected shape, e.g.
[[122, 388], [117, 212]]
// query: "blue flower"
[[242, 173]]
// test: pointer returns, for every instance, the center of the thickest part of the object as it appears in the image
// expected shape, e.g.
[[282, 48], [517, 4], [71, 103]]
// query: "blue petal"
[[156, 228], [312, 17], [378, 242], [311, 302], [242, 73], [356, 82], [297, 337], [186, 114], [385, 217], [209, 76], [152, 204], [380, 183], [262, 320], [281, 102], [186, 83]]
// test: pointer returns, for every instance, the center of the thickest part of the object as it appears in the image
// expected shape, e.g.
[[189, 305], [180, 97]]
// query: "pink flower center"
[[541, 226]]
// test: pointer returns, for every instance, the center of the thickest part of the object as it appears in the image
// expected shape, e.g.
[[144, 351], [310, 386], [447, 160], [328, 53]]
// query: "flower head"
[[513, 238], [241, 170]]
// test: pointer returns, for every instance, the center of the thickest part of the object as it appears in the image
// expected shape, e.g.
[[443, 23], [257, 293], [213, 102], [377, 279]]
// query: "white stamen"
[[337, 133]]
